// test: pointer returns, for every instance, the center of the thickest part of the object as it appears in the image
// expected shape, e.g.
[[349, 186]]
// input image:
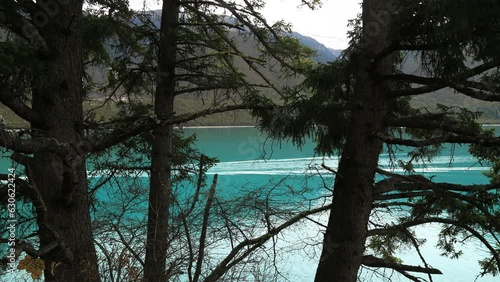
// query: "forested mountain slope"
[[190, 103]]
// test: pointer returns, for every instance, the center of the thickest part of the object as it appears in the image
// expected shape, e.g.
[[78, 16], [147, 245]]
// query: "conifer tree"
[[41, 82], [362, 102], [48, 71]]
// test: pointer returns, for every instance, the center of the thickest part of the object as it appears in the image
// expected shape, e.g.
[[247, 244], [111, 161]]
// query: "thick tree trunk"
[[344, 239], [62, 206], [160, 183]]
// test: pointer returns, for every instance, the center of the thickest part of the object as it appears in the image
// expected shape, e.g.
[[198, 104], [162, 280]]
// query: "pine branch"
[[431, 121], [421, 221], [450, 138], [123, 132], [476, 94], [373, 261], [413, 143], [439, 84], [233, 46], [428, 46], [224, 24], [11, 140], [14, 103], [418, 182]]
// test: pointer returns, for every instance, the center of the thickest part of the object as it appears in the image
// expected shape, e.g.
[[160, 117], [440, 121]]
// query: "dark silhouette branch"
[[471, 230], [373, 261], [439, 84], [14, 103], [249, 245], [202, 243]]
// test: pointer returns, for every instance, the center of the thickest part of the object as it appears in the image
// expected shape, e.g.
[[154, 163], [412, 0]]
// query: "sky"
[[327, 24]]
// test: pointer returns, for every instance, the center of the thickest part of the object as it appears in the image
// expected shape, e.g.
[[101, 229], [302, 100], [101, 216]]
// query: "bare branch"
[[252, 244], [206, 216], [23, 246]]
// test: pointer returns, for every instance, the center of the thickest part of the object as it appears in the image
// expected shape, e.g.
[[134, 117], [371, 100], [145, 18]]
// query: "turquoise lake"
[[248, 159]]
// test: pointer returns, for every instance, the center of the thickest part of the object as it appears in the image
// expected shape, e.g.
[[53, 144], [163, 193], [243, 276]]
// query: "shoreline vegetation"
[[226, 120], [239, 118]]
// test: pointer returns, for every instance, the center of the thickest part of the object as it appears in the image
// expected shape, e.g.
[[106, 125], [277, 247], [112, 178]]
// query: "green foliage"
[[386, 247], [489, 266], [449, 38], [324, 115], [455, 28], [488, 155]]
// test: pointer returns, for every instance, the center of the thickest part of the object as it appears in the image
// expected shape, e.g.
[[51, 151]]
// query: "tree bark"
[[345, 236], [60, 181], [160, 182]]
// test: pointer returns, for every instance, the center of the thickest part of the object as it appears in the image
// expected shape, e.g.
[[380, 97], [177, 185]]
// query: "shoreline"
[[215, 126], [229, 126], [254, 126]]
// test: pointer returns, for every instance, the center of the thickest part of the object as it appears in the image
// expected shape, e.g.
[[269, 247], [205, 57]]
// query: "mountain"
[[191, 103], [324, 54], [336, 52]]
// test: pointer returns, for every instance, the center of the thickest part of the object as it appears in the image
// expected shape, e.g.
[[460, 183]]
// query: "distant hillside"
[[336, 52], [190, 103], [324, 54]]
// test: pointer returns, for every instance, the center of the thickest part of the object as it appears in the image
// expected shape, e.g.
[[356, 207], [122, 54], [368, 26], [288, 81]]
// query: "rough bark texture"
[[345, 237], [62, 204], [160, 183]]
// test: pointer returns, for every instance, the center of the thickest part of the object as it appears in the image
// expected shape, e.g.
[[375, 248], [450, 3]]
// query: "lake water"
[[248, 159]]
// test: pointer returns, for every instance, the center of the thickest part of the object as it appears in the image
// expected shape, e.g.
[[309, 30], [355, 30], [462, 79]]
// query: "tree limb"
[[19, 107], [421, 221], [121, 133], [440, 84], [254, 243], [373, 261], [206, 216]]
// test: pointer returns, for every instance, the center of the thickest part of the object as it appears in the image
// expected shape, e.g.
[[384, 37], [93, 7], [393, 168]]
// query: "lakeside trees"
[[191, 52], [362, 102], [42, 65]]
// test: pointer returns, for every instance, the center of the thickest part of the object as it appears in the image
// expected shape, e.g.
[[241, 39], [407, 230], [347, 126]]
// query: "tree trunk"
[[160, 183], [344, 239], [62, 206]]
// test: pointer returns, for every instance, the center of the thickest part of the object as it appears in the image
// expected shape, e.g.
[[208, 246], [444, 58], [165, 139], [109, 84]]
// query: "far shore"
[[216, 126], [243, 126], [233, 126]]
